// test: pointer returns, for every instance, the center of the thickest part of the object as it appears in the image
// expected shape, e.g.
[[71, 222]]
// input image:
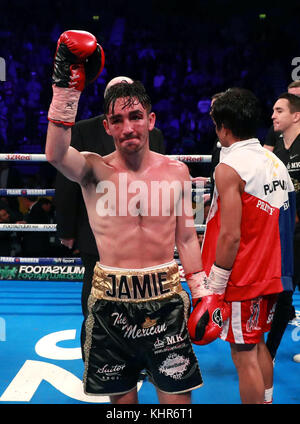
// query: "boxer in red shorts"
[[248, 245]]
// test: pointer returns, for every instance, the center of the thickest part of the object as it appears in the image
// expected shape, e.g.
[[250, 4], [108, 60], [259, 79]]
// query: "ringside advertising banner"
[[37, 269]]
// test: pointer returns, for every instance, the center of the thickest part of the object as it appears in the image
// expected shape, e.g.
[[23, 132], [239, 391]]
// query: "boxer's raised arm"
[[78, 61], [62, 156]]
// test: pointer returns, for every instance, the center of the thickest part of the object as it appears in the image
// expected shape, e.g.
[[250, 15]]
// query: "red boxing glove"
[[206, 320], [78, 61]]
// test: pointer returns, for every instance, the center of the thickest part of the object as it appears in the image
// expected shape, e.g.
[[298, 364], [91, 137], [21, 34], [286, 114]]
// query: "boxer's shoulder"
[[168, 162]]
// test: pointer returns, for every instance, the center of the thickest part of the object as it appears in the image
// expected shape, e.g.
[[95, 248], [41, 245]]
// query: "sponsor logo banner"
[[37, 272]]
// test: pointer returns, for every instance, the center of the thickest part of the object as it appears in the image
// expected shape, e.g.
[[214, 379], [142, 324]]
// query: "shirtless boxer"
[[248, 244], [137, 308]]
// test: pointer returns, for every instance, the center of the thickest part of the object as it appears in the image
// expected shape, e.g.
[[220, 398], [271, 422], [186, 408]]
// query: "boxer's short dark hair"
[[130, 91]]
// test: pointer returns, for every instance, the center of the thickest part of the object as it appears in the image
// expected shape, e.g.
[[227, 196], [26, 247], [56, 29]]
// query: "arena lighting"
[[96, 18], [262, 16]]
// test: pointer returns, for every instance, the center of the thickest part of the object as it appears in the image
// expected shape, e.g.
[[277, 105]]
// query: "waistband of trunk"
[[136, 285]]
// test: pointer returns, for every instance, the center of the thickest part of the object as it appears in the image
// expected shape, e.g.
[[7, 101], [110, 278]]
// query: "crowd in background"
[[183, 55]]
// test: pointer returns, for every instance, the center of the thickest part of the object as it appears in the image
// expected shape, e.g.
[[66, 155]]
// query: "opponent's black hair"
[[238, 110], [131, 92]]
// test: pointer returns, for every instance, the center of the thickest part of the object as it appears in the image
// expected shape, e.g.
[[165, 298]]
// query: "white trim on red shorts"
[[236, 324]]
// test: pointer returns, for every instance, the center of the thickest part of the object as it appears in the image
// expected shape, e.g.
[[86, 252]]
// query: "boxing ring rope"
[[50, 227], [27, 227], [28, 157], [33, 157], [50, 192], [27, 192]]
